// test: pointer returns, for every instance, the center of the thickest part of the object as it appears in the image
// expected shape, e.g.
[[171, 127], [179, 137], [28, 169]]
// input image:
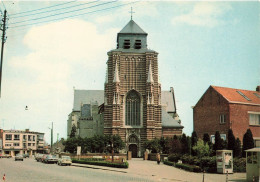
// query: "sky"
[[53, 47]]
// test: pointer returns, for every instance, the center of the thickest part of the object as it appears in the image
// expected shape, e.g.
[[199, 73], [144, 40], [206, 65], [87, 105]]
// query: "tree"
[[194, 139], [248, 141], [237, 148], [165, 145], [176, 145], [71, 144], [231, 140], [153, 145], [218, 142], [184, 144], [114, 142], [73, 131], [206, 138], [201, 149]]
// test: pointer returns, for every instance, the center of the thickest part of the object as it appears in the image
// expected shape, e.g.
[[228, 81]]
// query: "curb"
[[94, 167]]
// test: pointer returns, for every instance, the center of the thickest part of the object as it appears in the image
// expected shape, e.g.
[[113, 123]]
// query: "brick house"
[[221, 108]]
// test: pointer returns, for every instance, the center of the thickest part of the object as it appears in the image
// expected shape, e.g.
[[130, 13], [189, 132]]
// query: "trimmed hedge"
[[90, 159], [239, 164], [168, 163], [205, 163], [102, 163], [187, 167]]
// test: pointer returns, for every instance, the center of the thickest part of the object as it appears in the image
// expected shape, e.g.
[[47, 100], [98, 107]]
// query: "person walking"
[[158, 158]]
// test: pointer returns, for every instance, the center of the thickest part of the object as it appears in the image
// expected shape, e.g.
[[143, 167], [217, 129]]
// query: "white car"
[[64, 160]]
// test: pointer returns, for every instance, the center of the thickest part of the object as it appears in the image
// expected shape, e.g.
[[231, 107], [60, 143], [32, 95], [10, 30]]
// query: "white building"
[[21, 142]]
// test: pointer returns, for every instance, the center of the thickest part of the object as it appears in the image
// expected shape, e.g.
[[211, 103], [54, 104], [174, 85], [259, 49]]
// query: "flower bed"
[[102, 163]]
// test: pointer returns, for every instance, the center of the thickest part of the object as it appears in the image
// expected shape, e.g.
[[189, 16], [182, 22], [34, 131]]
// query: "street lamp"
[[51, 135]]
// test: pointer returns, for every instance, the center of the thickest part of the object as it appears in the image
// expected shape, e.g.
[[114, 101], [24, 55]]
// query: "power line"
[[63, 12], [55, 9], [43, 8], [104, 9]]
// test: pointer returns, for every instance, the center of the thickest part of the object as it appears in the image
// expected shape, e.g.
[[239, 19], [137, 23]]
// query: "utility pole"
[[51, 135], [3, 28]]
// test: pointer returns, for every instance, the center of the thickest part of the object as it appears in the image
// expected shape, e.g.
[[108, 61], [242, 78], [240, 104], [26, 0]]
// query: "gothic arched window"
[[132, 114]]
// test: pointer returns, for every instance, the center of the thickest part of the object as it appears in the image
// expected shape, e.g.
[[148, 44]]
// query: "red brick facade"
[[218, 101]]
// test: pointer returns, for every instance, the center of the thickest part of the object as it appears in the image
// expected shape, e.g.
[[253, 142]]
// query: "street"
[[30, 170], [139, 170]]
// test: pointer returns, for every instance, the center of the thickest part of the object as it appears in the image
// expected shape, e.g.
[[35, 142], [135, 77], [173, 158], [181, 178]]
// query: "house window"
[[16, 137], [8, 145], [8, 137], [29, 137], [25, 137], [212, 139], [33, 138], [254, 119], [223, 137], [132, 113], [222, 119], [29, 144], [16, 144]]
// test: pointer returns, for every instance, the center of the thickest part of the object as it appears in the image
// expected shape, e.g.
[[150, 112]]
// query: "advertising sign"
[[78, 150]]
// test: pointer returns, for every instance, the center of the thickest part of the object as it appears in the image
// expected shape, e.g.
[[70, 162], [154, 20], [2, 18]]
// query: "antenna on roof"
[[131, 13]]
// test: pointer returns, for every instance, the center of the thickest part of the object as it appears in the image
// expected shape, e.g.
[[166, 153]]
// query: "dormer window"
[[127, 44], [138, 44]]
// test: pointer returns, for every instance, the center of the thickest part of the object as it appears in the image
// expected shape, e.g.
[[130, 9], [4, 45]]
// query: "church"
[[132, 104]]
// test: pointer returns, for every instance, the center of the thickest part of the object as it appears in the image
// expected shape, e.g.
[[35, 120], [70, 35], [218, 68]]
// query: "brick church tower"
[[132, 97]]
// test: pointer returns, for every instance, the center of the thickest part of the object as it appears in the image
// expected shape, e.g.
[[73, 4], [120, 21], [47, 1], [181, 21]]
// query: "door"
[[133, 149]]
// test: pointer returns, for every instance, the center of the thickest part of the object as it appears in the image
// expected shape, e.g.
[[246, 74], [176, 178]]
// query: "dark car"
[[25, 155], [50, 159], [18, 157]]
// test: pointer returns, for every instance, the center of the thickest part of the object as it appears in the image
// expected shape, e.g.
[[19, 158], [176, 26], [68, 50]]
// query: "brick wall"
[[206, 114], [239, 118]]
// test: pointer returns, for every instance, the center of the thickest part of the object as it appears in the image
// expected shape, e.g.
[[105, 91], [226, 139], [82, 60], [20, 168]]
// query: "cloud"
[[56, 57], [207, 14]]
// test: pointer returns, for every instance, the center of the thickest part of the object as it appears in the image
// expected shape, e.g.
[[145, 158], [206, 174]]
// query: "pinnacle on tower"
[[150, 75], [116, 74]]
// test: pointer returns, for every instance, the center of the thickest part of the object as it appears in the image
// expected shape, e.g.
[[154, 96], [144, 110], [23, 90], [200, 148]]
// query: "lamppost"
[[51, 135]]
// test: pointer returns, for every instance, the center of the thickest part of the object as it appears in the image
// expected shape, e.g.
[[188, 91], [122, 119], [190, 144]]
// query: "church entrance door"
[[133, 149]]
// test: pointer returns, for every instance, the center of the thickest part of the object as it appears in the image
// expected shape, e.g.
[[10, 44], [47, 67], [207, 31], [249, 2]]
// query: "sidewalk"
[[153, 171]]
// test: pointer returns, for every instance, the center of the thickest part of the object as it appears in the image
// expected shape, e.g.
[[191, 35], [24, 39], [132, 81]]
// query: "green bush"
[[102, 163], [239, 165], [168, 163], [187, 167], [208, 164], [174, 157]]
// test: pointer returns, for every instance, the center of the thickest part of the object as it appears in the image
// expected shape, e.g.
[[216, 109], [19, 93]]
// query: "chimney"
[[258, 88], [27, 130]]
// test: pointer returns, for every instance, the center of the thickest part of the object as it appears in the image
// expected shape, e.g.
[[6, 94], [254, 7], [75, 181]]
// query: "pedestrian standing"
[[158, 158]]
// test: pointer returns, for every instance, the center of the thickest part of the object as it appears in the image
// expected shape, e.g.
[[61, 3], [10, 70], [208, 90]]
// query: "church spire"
[[116, 74], [150, 75]]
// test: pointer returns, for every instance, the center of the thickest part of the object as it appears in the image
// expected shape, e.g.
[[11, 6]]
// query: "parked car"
[[18, 157], [64, 160], [50, 159], [25, 155], [38, 157], [5, 156]]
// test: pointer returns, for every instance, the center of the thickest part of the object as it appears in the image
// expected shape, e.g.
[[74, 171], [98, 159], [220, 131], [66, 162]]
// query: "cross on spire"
[[131, 12]]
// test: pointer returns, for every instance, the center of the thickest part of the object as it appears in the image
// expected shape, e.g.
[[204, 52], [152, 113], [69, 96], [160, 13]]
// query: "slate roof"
[[97, 96], [167, 101], [132, 28], [232, 95], [87, 97], [168, 121]]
